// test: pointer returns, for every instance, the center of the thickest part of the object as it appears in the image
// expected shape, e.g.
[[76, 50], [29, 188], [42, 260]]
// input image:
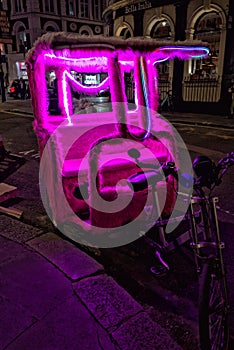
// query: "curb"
[[169, 117], [196, 123]]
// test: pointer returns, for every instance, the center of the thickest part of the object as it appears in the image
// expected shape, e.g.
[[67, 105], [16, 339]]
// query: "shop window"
[[207, 29], [22, 40], [161, 30]]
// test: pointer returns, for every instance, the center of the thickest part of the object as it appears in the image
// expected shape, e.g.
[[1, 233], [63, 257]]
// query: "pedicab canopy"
[[66, 53], [84, 66]]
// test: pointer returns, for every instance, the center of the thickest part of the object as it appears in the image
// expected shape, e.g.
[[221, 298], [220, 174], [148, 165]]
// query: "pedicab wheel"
[[213, 308]]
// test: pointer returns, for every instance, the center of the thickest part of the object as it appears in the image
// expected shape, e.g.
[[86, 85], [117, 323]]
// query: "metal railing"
[[197, 90], [202, 90]]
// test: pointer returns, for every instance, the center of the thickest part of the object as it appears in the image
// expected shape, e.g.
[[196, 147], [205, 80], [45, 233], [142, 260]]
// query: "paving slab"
[[8, 250], [107, 301], [14, 320], [68, 327], [17, 230], [141, 333], [66, 256], [31, 282]]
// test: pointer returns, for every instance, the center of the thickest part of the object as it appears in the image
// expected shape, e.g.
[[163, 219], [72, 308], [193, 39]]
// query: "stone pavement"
[[24, 106], [53, 296]]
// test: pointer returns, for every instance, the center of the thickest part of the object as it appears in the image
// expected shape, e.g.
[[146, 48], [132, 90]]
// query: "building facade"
[[200, 85], [29, 19], [5, 44]]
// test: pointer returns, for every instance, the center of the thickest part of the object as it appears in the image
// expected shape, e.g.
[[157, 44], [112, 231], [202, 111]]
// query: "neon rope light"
[[65, 97], [184, 50], [100, 62], [161, 60], [145, 95]]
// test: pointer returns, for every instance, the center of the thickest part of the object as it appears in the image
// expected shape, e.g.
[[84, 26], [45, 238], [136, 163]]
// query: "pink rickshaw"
[[85, 124]]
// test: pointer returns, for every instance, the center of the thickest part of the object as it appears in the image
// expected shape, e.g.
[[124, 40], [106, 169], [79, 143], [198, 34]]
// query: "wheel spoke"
[[213, 309]]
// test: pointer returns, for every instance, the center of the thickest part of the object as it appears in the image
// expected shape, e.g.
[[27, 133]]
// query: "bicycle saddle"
[[143, 180]]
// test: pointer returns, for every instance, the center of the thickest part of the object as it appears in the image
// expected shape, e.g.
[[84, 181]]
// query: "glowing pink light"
[[181, 51], [65, 97], [101, 62], [160, 60], [145, 91]]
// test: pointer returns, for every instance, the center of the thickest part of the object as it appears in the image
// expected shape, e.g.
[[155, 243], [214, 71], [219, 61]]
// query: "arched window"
[[125, 33], [161, 30], [208, 29], [51, 26], [21, 40], [85, 30], [50, 29]]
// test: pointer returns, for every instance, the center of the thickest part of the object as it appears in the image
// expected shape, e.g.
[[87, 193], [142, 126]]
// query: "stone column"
[[181, 7], [138, 23], [228, 67]]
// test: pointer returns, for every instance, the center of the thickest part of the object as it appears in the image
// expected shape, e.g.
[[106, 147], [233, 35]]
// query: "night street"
[[171, 300], [116, 175]]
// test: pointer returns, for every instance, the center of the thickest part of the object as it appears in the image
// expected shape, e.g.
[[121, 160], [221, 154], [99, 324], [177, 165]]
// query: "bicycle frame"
[[205, 241], [210, 227]]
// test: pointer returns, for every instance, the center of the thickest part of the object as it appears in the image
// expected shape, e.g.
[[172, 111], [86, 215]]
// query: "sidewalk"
[[56, 297], [22, 106], [176, 117], [200, 119]]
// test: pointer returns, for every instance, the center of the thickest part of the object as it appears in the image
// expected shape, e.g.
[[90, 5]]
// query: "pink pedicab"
[[83, 143]]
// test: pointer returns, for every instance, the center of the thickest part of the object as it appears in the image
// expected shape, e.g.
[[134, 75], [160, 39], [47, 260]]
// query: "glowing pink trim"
[[183, 52], [65, 97], [191, 48], [99, 64], [161, 60]]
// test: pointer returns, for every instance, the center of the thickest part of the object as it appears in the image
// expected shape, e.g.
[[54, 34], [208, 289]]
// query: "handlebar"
[[207, 173], [225, 162], [168, 168], [210, 174]]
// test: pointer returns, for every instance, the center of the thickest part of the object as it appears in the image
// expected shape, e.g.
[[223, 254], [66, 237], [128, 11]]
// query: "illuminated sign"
[[138, 7], [91, 79]]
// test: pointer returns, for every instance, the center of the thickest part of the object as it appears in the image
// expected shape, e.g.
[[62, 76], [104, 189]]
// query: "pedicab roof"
[[58, 41]]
